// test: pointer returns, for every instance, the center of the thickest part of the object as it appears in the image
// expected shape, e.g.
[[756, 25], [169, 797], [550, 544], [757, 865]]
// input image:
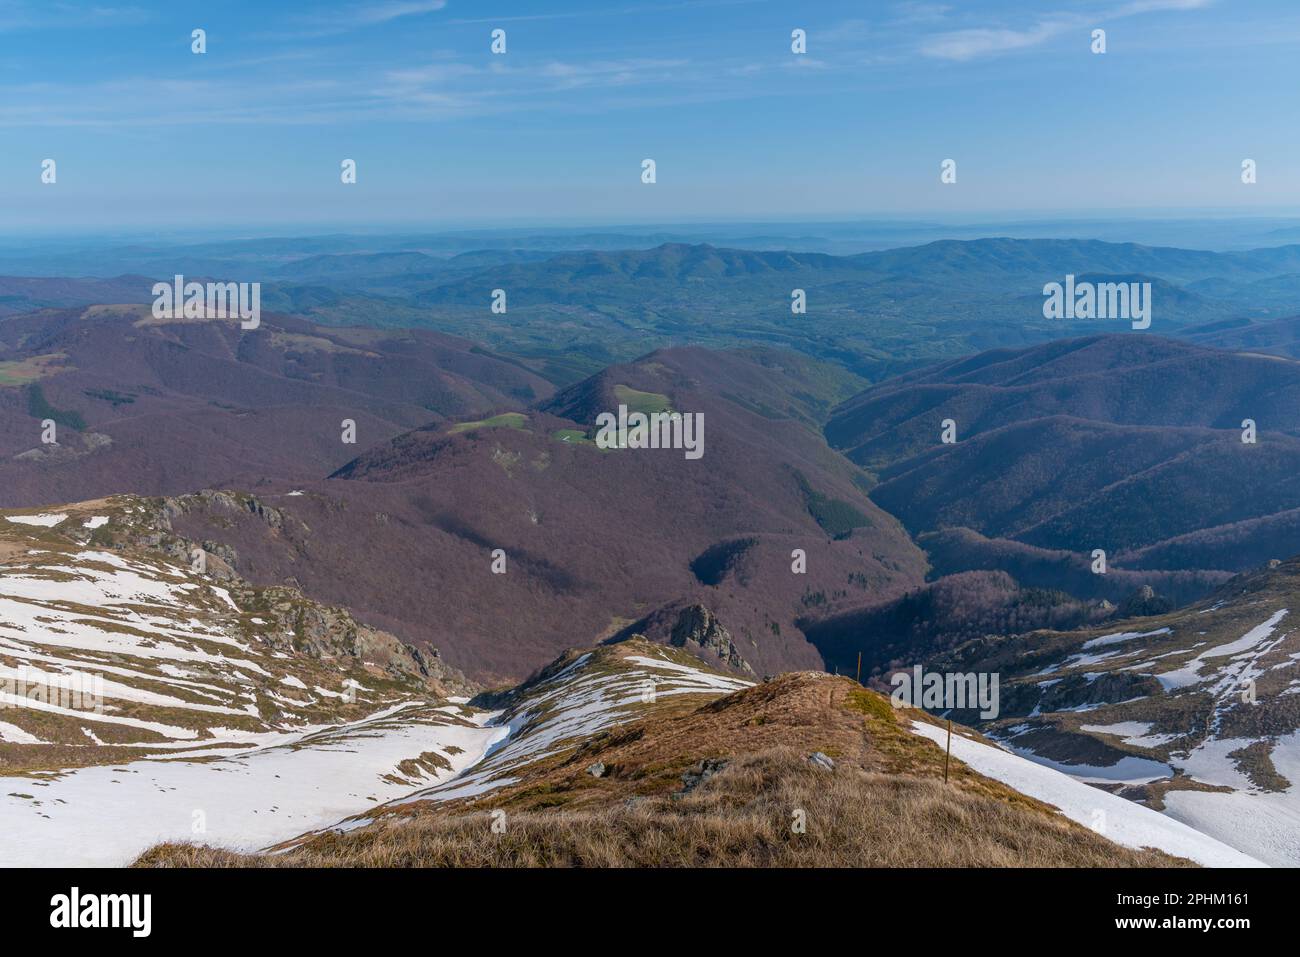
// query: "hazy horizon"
[[251, 133], [34, 252]]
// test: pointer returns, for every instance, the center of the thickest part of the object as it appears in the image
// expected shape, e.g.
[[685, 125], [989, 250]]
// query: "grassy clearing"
[[572, 437], [25, 371], [300, 342], [506, 420], [637, 401]]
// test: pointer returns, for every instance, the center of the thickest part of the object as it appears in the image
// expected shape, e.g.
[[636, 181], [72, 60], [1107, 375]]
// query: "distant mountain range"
[[574, 311]]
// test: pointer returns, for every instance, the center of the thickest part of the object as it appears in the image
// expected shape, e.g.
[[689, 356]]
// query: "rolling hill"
[[1130, 444], [876, 313], [595, 541], [1280, 337], [162, 407], [610, 298]]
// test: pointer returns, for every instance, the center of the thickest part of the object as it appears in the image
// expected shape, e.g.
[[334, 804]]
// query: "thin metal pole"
[[948, 755]]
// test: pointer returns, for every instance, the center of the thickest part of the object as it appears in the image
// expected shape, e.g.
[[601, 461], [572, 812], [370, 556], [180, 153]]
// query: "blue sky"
[[444, 132]]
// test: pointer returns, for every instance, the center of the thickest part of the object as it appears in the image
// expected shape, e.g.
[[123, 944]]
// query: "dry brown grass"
[[741, 817], [885, 803]]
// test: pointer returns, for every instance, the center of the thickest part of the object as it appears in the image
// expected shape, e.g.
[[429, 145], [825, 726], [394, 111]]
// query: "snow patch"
[[1122, 821], [46, 519]]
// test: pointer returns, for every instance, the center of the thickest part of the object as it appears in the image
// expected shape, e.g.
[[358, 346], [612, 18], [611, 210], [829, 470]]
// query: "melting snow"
[[1265, 824], [105, 816], [1190, 673], [1114, 817], [48, 520], [12, 734], [570, 707], [1127, 770], [1122, 636], [1136, 733]]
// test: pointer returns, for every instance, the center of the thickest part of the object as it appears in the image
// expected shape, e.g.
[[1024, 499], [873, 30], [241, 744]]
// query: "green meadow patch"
[[637, 401], [506, 420], [572, 437], [25, 371]]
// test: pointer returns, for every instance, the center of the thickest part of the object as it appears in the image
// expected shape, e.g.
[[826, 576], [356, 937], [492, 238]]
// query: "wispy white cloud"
[[569, 76], [26, 15], [393, 10], [921, 12], [328, 22], [969, 44], [972, 43], [1159, 6], [449, 84], [804, 63], [609, 11]]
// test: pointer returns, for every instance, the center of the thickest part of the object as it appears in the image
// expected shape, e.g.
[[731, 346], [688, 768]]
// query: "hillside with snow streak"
[[149, 700], [675, 761], [143, 697], [1195, 713], [1123, 821]]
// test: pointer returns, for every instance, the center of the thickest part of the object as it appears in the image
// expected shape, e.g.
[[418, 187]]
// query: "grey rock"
[[822, 761], [701, 773]]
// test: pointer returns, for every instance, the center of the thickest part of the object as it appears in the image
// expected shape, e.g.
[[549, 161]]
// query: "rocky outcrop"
[[291, 622], [696, 625], [301, 626], [1076, 691], [819, 760], [218, 501], [1144, 603]]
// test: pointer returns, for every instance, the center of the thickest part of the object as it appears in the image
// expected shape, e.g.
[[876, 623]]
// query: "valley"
[[773, 465], [326, 587]]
